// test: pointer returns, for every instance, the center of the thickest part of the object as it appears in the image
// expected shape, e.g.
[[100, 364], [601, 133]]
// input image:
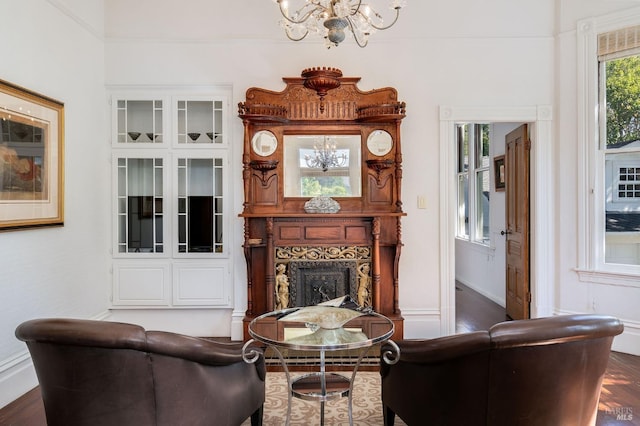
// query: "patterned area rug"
[[367, 406]]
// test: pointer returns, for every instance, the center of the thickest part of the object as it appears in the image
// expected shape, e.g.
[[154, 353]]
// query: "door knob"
[[505, 232]]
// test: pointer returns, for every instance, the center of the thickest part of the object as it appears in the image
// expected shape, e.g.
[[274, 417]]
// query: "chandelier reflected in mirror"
[[330, 19], [326, 156]]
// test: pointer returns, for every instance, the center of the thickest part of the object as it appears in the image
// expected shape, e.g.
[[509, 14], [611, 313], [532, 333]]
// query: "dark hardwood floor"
[[619, 400], [475, 312]]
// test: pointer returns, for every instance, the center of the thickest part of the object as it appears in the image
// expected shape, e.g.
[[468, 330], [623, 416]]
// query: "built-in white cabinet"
[[171, 199]]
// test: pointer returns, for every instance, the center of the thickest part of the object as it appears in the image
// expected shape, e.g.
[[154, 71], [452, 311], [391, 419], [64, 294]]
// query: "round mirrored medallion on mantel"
[[379, 142], [264, 143]]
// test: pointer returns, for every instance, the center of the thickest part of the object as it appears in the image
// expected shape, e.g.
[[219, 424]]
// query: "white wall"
[[58, 271]]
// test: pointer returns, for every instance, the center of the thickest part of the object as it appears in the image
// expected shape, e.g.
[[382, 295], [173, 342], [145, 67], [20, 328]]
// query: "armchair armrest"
[[427, 351], [78, 332], [552, 330], [433, 350], [202, 351]]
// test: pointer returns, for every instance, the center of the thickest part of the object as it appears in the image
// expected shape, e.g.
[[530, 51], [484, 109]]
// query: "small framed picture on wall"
[[499, 172]]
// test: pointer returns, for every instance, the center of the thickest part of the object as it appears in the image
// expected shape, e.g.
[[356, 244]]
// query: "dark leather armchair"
[[545, 371], [97, 373]]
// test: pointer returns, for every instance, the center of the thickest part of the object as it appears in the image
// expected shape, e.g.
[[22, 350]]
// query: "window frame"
[[626, 164], [474, 144], [592, 266]]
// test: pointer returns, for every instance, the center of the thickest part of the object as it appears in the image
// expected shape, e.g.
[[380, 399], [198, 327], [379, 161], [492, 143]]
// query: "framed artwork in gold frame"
[[31, 159]]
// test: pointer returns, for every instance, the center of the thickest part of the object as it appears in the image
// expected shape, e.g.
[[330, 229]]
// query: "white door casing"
[[542, 202]]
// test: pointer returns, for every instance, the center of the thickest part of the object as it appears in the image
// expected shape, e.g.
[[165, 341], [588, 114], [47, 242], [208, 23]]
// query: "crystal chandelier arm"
[[355, 34], [314, 5], [387, 26], [286, 32], [356, 9]]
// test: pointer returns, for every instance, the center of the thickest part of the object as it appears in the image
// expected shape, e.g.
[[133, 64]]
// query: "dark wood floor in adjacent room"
[[620, 392]]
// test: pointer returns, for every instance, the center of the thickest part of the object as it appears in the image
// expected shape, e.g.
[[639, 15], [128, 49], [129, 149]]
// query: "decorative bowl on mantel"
[[322, 204], [321, 79]]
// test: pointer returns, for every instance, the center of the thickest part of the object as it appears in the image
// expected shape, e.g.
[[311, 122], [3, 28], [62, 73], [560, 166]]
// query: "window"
[[619, 130], [608, 60], [473, 182], [628, 183]]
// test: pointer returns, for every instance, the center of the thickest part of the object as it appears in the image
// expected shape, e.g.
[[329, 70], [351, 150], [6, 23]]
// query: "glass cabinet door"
[[200, 121], [200, 207], [139, 121], [140, 200]]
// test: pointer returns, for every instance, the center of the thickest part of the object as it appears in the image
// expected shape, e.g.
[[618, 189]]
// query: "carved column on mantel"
[[270, 278], [396, 281], [247, 255], [375, 257], [246, 170], [398, 168]]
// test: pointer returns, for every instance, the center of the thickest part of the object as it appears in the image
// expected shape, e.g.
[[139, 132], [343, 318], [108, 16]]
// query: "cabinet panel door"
[[146, 285], [201, 284]]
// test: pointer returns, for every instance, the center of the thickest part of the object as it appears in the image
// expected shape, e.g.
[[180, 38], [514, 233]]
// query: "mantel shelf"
[[339, 215]]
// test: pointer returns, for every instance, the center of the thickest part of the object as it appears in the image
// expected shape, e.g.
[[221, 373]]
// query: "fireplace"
[[276, 222], [313, 282], [308, 275]]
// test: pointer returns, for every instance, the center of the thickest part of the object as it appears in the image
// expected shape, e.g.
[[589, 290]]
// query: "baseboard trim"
[[17, 377], [237, 325], [421, 323]]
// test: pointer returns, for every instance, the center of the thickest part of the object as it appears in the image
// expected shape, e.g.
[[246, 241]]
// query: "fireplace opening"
[[312, 282]]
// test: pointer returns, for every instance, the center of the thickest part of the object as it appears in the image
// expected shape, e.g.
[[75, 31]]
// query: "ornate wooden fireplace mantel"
[[353, 251]]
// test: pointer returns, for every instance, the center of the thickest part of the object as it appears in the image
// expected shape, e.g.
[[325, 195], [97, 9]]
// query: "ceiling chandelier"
[[330, 18], [325, 156]]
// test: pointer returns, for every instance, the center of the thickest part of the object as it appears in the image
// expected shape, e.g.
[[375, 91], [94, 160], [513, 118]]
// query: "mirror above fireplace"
[[327, 165]]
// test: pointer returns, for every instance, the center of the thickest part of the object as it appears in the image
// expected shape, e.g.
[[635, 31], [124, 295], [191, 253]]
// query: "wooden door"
[[518, 297]]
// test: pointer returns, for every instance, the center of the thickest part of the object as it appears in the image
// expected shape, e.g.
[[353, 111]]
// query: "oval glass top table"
[[321, 329]]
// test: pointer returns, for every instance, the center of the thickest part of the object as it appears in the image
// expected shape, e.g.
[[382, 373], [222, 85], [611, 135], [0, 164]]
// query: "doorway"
[[488, 237], [542, 229]]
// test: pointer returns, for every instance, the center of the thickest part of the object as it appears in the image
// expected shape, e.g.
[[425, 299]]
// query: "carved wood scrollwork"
[[378, 166], [263, 166], [279, 232]]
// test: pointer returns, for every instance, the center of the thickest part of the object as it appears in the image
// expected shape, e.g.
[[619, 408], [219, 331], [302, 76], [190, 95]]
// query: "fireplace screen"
[[314, 282]]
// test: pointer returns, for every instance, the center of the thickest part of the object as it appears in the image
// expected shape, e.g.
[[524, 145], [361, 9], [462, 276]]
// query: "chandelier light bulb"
[[333, 19]]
